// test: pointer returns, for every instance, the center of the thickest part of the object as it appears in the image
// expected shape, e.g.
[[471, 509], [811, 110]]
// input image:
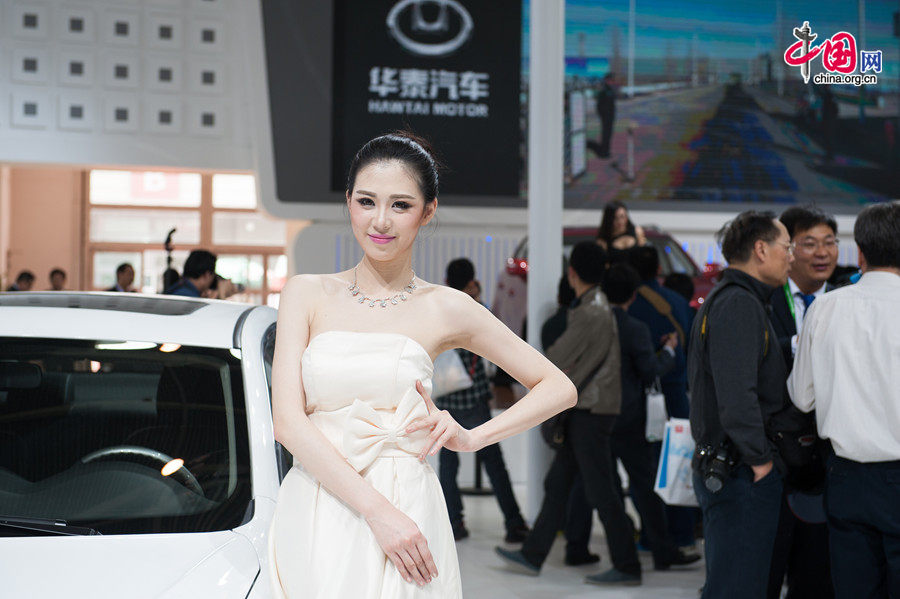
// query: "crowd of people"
[[197, 279], [787, 382]]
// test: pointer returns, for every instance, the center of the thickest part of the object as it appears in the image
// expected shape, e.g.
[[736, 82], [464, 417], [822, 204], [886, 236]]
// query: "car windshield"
[[122, 437], [673, 259]]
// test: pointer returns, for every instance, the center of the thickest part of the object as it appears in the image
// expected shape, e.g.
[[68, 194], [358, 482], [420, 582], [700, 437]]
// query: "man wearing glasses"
[[737, 375], [814, 235], [800, 555]]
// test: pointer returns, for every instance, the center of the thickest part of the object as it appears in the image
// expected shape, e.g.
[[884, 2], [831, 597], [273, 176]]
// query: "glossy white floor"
[[484, 576]]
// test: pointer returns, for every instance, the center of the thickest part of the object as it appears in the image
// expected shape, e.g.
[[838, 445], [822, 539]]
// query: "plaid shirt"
[[480, 390]]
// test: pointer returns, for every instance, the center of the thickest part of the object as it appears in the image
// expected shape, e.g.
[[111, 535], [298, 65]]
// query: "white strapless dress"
[[360, 392]]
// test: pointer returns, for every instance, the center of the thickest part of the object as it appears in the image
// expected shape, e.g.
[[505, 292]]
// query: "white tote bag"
[[450, 374], [656, 414], [674, 481]]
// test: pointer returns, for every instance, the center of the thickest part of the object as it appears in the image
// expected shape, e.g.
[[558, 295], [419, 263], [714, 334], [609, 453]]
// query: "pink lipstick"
[[381, 239]]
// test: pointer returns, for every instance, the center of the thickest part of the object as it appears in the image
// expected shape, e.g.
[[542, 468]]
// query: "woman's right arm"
[[397, 534]]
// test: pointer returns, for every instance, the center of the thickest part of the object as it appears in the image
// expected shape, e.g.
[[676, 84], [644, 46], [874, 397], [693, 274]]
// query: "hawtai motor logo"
[[839, 58], [450, 27]]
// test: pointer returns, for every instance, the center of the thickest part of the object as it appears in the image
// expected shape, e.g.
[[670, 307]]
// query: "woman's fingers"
[[430, 404], [433, 436], [442, 440], [401, 567], [422, 546], [420, 563], [424, 422], [412, 567]]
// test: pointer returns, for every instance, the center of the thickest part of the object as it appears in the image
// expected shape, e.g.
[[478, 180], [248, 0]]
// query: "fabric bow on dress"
[[368, 434]]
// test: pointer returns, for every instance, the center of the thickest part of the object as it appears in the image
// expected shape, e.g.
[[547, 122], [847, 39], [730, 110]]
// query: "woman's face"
[[386, 210], [620, 223]]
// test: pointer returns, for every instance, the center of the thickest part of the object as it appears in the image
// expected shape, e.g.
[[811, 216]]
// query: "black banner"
[[448, 70]]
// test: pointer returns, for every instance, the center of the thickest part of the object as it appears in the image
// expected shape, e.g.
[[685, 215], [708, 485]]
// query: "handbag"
[[553, 430], [674, 478], [795, 436], [656, 413], [450, 374]]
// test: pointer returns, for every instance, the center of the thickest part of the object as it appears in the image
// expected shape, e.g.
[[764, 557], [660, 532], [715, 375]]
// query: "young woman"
[[361, 514], [616, 231]]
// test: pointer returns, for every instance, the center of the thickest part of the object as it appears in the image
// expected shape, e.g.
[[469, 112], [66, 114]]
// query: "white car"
[[137, 457]]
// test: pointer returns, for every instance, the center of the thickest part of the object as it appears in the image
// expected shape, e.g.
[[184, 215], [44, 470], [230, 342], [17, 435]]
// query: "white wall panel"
[[31, 109], [176, 73], [77, 111], [30, 64], [74, 67], [76, 25], [29, 21]]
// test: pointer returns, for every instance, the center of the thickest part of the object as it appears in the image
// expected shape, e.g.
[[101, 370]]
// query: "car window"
[[123, 437], [283, 457], [522, 249], [678, 259]]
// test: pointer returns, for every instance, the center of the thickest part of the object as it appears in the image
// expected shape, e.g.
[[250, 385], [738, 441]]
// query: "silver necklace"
[[394, 299]]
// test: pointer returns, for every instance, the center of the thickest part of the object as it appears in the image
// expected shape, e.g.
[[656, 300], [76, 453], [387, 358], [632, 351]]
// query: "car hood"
[[218, 564]]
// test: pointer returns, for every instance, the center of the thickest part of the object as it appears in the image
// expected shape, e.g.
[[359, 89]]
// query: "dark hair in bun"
[[414, 152]]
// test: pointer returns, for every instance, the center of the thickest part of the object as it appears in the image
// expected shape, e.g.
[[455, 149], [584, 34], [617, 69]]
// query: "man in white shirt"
[[847, 368]]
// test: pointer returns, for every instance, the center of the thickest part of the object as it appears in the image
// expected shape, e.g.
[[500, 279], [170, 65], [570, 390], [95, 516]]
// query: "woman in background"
[[616, 231]]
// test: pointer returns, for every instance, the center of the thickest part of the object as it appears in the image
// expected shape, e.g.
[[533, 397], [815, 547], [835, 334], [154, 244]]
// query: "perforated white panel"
[[146, 82]]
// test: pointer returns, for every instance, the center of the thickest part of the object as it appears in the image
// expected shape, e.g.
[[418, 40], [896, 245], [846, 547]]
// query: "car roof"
[[649, 231], [124, 317]]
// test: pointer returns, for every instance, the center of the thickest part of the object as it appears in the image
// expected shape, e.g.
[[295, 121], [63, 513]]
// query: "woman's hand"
[[445, 431], [404, 544]]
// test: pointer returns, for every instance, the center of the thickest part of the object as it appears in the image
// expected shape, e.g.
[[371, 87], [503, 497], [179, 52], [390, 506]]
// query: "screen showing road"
[[691, 103]]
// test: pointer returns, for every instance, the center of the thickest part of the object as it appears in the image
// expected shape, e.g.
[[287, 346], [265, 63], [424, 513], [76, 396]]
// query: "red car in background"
[[672, 259]]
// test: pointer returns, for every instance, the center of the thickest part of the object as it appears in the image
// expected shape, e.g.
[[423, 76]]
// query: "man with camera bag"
[[737, 372]]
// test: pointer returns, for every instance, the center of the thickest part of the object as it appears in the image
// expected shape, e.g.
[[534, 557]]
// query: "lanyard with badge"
[[790, 301]]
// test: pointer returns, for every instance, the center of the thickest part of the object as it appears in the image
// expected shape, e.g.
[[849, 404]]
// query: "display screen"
[[678, 105], [702, 108]]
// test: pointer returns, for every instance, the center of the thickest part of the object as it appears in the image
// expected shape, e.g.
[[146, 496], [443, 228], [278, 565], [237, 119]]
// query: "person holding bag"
[[469, 407], [588, 352], [665, 312], [641, 365]]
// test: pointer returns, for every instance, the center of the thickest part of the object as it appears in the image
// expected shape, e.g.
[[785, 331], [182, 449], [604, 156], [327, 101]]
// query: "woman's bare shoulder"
[[455, 308], [325, 283], [311, 288]]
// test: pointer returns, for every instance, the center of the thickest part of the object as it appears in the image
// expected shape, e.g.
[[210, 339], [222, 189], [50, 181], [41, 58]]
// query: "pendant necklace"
[[383, 302]]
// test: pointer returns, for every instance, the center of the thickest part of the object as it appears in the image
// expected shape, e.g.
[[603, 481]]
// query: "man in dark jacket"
[[801, 545], [199, 275], [588, 352], [24, 281], [737, 378], [641, 365], [124, 278], [665, 312], [606, 112]]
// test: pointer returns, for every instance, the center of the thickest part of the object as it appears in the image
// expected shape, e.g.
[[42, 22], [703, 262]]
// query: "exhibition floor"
[[484, 576]]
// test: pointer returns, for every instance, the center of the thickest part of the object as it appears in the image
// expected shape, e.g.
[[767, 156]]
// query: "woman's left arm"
[[479, 331]]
